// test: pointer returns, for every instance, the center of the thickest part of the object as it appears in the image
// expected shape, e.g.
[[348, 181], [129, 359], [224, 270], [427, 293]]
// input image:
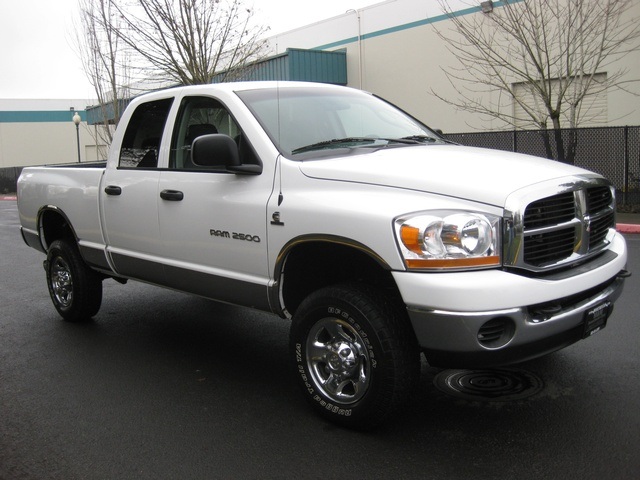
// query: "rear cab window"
[[141, 142]]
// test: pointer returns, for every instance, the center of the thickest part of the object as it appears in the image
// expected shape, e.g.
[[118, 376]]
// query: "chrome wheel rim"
[[338, 361], [61, 282]]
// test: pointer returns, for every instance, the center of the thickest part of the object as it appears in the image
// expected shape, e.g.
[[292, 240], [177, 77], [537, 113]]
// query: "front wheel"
[[75, 289], [355, 354]]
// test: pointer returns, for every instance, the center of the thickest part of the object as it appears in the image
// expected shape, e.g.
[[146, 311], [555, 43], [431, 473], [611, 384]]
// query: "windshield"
[[306, 122]]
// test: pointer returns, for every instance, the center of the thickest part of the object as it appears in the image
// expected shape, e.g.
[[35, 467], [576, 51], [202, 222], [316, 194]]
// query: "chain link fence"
[[613, 152]]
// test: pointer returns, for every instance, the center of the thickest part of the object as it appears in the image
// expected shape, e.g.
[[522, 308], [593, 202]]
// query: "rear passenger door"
[[130, 196]]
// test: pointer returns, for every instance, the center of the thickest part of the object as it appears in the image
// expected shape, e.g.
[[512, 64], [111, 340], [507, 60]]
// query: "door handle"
[[171, 195], [112, 190]]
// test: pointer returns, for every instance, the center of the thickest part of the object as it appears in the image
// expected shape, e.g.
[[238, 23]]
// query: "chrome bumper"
[[474, 339]]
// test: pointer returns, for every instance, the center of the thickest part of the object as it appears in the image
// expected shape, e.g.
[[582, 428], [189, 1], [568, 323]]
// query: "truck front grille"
[[545, 248], [550, 211], [560, 229]]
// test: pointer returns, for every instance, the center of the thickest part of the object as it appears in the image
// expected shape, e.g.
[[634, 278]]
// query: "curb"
[[8, 197], [628, 228]]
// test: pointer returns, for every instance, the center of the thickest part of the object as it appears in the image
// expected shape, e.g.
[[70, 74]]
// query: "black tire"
[[75, 289], [355, 354]]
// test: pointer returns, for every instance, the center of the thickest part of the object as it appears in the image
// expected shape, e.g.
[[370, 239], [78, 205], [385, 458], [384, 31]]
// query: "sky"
[[38, 59]]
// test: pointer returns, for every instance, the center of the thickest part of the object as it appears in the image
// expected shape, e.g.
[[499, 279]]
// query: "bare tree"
[[106, 64], [189, 41], [538, 61]]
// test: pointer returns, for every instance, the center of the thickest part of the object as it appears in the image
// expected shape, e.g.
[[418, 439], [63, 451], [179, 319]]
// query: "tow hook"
[[624, 274]]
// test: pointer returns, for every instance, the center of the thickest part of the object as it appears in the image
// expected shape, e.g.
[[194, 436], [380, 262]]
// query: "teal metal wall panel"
[[297, 65], [40, 116], [318, 66], [275, 68], [97, 113]]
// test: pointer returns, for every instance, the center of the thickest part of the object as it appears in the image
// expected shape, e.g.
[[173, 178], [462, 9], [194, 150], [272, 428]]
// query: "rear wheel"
[[75, 289], [355, 355]]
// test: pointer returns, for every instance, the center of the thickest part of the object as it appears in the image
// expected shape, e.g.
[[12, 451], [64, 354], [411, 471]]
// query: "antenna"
[[279, 159]]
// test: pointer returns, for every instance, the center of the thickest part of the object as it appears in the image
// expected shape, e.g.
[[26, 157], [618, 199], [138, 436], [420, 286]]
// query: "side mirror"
[[214, 150], [219, 151]]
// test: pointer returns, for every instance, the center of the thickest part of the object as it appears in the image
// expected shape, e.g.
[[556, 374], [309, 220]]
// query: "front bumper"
[[493, 317]]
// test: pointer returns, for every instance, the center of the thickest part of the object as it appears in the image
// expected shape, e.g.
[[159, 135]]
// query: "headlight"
[[449, 240]]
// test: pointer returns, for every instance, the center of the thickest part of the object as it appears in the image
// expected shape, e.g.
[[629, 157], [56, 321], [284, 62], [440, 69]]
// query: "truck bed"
[[72, 189]]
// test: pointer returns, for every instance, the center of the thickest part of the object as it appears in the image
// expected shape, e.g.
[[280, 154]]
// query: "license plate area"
[[595, 319]]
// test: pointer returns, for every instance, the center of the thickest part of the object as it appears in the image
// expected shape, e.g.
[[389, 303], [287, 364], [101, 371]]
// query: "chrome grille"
[[550, 211], [598, 198], [561, 228], [545, 248]]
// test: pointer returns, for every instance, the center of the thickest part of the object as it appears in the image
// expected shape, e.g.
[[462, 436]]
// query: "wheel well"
[[314, 265], [55, 226]]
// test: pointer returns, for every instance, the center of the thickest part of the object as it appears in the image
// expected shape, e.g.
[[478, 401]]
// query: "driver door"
[[212, 223]]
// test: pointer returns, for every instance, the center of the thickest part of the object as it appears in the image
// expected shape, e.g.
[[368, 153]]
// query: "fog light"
[[496, 333]]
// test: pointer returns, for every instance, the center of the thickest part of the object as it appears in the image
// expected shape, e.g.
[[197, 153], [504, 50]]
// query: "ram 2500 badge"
[[325, 205]]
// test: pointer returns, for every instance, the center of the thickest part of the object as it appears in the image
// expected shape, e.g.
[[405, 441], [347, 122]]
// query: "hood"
[[481, 175]]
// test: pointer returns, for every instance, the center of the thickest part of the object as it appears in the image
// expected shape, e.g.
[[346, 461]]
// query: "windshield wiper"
[[332, 143], [420, 139], [365, 141]]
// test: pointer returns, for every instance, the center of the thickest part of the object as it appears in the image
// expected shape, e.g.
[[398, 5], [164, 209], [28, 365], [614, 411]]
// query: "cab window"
[[198, 116], [141, 142]]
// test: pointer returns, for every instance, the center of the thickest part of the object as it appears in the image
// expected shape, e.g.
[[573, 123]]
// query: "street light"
[[76, 121], [357, 12]]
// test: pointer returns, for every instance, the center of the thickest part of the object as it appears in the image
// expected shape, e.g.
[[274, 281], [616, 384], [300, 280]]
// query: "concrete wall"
[[38, 132], [26, 144]]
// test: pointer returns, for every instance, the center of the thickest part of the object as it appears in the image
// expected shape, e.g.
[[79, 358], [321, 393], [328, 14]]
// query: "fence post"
[[626, 164], [515, 141]]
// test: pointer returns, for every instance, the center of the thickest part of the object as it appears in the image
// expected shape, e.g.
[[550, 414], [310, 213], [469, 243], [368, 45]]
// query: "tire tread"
[[400, 365], [87, 294]]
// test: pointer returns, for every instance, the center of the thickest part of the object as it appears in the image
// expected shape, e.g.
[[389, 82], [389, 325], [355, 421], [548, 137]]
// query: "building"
[[38, 132], [391, 49]]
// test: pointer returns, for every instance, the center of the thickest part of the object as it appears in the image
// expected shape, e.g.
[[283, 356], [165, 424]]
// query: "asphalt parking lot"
[[168, 386]]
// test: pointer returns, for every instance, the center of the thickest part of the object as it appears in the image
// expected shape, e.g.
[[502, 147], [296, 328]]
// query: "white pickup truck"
[[325, 205]]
